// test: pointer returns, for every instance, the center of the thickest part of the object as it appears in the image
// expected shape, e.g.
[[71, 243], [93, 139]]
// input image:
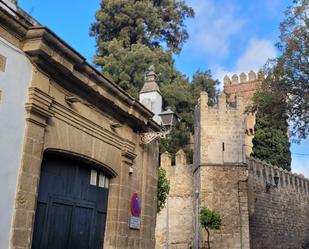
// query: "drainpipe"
[[197, 229], [167, 226], [240, 213]]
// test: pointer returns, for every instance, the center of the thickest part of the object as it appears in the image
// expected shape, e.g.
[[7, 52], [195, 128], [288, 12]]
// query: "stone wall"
[[220, 166], [279, 216], [255, 212], [243, 85], [175, 222]]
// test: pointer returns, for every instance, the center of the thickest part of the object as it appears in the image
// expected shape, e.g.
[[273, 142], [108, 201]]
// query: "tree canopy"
[[283, 102], [289, 73], [131, 35], [209, 219], [154, 23], [271, 141]]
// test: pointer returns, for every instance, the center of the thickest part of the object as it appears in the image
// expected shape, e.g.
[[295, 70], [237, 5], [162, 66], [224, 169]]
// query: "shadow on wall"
[[306, 245]]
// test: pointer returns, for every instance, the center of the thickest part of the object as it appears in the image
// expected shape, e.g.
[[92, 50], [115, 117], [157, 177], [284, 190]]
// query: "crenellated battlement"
[[175, 221], [244, 85], [180, 159], [265, 173], [223, 104], [244, 78], [278, 207]]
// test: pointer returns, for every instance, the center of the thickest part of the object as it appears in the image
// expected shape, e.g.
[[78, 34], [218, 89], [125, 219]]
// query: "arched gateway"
[[71, 206]]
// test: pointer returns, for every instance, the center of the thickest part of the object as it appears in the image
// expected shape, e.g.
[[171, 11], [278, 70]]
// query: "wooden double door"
[[71, 207]]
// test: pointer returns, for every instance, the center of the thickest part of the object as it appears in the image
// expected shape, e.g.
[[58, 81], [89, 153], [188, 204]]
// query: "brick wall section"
[[279, 218], [175, 221]]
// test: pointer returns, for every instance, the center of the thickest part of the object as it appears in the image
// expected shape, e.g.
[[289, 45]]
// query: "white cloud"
[[253, 58], [213, 26], [256, 54]]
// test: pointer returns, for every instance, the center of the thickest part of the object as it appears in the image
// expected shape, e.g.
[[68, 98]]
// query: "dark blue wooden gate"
[[71, 207]]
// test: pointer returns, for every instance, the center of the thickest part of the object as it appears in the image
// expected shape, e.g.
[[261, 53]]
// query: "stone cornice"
[[68, 67], [14, 25], [128, 154], [54, 56], [38, 107]]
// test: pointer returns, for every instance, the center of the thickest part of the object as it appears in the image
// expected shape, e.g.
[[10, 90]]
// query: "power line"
[[300, 154]]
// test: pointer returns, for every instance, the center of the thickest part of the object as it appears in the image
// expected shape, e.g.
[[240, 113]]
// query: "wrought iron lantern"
[[168, 120]]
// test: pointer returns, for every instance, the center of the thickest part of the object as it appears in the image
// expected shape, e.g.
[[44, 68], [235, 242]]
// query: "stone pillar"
[[38, 113], [166, 160], [181, 158]]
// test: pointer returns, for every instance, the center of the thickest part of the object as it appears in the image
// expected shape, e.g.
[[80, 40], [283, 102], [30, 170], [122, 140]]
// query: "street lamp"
[[168, 120]]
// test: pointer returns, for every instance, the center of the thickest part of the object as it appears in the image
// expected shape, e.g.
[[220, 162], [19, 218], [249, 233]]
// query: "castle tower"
[[220, 173], [243, 86], [150, 95]]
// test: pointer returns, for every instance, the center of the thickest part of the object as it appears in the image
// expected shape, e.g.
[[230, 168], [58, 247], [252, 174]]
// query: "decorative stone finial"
[[243, 77], [252, 75], [166, 160], [181, 158], [227, 80], [204, 98], [222, 100], [150, 81], [261, 74], [150, 75], [235, 79]]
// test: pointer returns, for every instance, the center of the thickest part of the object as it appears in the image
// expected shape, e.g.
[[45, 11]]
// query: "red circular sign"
[[135, 205]]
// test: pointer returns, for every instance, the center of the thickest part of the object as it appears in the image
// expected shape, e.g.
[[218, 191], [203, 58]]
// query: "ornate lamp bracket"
[[148, 137]]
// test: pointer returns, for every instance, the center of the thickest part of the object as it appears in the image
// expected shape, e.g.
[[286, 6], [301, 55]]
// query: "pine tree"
[[131, 35], [271, 141], [203, 81]]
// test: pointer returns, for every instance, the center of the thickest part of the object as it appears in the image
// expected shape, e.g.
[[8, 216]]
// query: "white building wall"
[[14, 82], [153, 101]]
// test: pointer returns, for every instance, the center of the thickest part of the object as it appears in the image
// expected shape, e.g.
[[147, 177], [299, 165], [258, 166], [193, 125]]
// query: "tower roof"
[[150, 84]]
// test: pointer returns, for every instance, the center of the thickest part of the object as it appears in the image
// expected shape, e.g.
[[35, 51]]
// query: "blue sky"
[[226, 36]]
